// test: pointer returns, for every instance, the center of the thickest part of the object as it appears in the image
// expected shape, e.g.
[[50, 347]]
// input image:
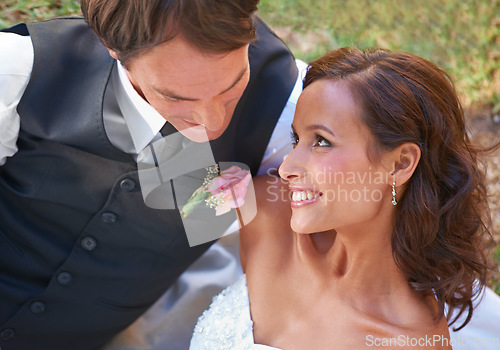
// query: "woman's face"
[[333, 183]]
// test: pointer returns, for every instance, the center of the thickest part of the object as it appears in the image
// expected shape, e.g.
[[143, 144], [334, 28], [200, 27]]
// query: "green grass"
[[14, 11], [462, 36], [495, 283]]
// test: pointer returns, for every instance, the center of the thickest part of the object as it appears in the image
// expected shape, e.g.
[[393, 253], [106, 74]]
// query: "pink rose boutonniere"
[[222, 190]]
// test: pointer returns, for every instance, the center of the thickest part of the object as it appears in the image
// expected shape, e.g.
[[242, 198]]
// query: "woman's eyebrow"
[[313, 127]]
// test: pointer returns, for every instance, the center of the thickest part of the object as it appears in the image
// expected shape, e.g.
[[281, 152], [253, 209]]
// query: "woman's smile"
[[303, 196]]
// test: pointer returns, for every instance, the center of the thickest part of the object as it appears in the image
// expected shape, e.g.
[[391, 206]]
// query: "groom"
[[81, 254]]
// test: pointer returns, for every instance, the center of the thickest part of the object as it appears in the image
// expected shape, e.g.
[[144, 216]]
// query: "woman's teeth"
[[303, 196]]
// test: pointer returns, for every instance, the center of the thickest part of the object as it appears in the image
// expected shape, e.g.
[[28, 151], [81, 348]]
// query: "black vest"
[[81, 255]]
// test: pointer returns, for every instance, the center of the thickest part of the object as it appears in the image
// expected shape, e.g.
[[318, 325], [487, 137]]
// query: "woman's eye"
[[320, 141], [295, 138]]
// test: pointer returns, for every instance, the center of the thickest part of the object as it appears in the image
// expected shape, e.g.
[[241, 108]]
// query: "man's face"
[[190, 88]]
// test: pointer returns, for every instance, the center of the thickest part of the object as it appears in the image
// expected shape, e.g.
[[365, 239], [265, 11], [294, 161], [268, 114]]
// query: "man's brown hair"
[[129, 27]]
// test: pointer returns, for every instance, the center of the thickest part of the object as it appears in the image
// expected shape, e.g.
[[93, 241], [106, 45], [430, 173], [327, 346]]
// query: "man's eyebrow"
[[238, 79], [182, 98]]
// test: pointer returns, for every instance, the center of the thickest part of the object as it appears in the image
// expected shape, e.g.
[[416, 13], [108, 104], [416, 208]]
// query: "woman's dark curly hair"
[[440, 235]]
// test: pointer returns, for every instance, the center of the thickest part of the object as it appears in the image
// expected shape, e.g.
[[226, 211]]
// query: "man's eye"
[[320, 141], [172, 99]]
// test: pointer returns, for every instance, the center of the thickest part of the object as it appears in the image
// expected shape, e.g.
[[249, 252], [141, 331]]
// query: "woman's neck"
[[359, 260]]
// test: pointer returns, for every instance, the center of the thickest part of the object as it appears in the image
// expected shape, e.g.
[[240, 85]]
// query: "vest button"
[[88, 243], [37, 307], [108, 217], [7, 333], [64, 278], [127, 184]]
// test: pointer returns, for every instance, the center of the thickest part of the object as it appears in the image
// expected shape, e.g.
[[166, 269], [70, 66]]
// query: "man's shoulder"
[[23, 29], [60, 26], [60, 21], [16, 54], [69, 38], [268, 41]]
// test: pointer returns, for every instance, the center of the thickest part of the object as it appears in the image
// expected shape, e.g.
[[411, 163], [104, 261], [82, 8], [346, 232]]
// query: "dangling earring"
[[394, 202]]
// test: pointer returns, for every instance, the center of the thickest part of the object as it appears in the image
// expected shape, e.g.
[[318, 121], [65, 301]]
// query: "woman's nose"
[[292, 167]]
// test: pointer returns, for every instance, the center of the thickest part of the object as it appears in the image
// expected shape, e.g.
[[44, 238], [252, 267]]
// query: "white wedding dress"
[[227, 324]]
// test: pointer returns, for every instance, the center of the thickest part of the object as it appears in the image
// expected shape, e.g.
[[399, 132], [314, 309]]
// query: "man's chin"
[[200, 134]]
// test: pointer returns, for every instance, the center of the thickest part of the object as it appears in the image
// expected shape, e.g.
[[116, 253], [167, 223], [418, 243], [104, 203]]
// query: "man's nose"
[[211, 113]]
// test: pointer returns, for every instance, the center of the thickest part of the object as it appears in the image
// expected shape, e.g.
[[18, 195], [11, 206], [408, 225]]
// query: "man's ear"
[[112, 53], [405, 157]]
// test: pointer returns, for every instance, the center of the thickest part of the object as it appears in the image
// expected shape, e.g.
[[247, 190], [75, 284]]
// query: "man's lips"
[[191, 124]]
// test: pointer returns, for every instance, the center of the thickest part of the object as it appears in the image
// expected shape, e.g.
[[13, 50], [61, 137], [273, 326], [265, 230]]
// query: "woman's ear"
[[406, 157]]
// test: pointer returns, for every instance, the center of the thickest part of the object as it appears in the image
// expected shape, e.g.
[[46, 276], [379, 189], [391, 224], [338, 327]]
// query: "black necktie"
[[167, 129]]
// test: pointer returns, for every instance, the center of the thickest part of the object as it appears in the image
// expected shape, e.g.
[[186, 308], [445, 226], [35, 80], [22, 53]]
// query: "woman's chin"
[[301, 227]]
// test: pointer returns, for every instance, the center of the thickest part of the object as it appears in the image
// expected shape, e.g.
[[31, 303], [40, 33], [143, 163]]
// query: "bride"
[[376, 224]]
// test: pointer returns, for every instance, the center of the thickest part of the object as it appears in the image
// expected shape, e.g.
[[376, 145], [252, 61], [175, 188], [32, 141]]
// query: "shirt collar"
[[142, 120]]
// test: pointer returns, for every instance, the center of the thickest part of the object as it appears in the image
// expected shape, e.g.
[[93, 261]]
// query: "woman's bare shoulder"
[[272, 215], [412, 326]]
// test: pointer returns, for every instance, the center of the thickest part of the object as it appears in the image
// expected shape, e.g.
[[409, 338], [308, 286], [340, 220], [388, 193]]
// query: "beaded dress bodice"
[[227, 323]]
